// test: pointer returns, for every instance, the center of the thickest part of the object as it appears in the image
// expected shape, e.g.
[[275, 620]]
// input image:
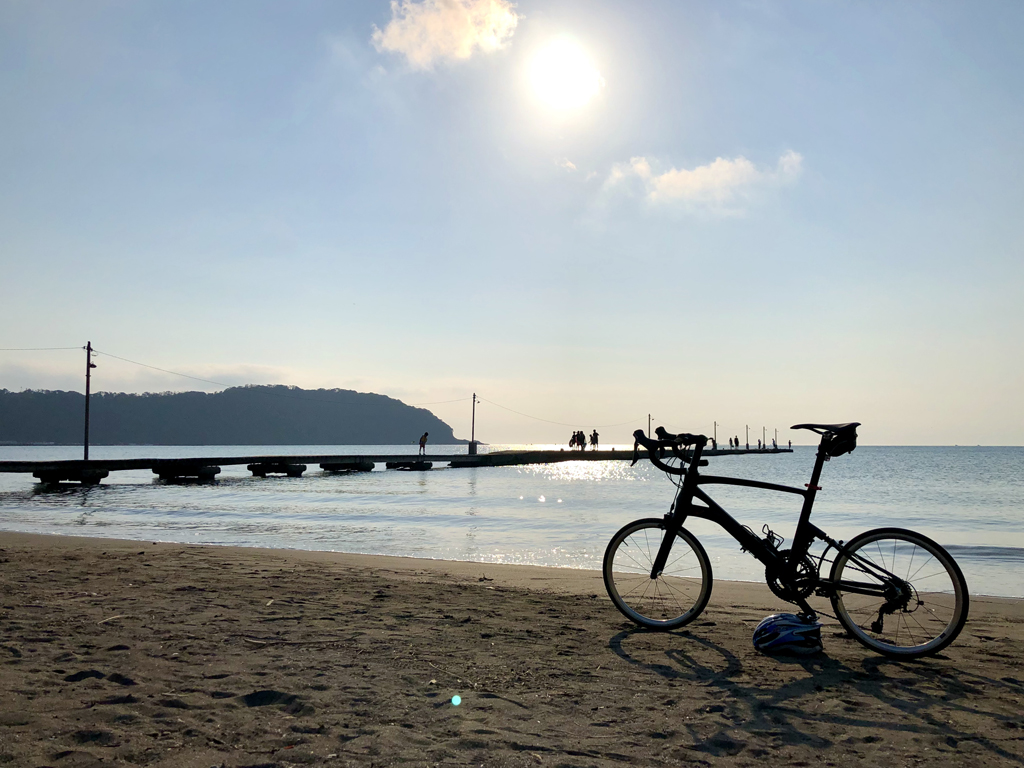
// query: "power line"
[[164, 370], [559, 423], [440, 402], [272, 394], [665, 423], [35, 349]]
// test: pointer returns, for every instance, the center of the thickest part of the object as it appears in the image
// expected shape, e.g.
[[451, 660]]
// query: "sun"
[[563, 77]]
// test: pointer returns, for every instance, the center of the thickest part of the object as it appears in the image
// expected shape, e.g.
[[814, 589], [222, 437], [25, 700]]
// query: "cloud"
[[566, 163], [717, 186], [437, 30]]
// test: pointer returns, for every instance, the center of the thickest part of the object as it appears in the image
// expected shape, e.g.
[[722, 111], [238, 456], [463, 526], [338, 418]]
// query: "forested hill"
[[254, 415]]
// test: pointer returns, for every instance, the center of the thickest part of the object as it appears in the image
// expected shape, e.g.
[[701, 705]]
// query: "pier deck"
[[94, 470]]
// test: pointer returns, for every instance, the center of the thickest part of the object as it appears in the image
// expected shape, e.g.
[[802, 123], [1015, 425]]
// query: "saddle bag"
[[843, 441]]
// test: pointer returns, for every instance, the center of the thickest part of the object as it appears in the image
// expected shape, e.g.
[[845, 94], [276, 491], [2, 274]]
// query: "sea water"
[[971, 500]]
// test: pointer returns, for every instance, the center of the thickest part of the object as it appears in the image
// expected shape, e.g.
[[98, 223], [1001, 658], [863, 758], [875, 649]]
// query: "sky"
[[722, 214]]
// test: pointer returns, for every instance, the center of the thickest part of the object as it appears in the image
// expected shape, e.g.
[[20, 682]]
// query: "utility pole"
[[89, 365], [764, 438], [748, 437], [472, 430], [715, 438], [648, 426]]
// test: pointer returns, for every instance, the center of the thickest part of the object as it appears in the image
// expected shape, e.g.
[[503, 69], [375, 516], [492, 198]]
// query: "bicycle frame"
[[806, 532]]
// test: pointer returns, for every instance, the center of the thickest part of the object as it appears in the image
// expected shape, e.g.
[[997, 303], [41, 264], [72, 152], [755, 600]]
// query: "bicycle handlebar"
[[655, 448]]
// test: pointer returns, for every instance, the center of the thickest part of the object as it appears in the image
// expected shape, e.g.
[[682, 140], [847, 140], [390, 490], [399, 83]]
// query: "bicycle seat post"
[[802, 536]]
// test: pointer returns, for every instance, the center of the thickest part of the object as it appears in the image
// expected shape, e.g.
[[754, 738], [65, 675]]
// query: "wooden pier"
[[205, 469]]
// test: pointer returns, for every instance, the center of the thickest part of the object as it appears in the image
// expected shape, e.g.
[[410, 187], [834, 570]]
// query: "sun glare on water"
[[563, 77]]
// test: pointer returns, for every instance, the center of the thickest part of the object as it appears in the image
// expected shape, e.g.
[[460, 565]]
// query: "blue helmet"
[[788, 633]]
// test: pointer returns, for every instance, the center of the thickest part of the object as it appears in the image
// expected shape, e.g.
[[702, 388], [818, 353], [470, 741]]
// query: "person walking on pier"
[[593, 440], [759, 443], [423, 443]]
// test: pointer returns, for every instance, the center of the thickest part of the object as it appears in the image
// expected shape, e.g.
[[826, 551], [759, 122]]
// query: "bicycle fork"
[[671, 527], [673, 522]]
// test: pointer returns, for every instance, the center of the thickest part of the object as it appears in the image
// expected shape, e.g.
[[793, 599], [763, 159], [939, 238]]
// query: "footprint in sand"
[[289, 702]]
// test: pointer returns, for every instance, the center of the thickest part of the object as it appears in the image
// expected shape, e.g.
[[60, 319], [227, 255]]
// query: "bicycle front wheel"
[[926, 602], [678, 594]]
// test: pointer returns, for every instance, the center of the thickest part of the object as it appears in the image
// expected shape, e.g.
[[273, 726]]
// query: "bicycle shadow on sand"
[[757, 704]]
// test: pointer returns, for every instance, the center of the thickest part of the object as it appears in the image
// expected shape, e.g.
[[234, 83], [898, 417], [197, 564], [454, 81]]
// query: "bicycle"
[[895, 591]]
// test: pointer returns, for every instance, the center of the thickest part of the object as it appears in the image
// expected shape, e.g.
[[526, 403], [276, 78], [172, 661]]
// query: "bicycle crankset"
[[795, 580]]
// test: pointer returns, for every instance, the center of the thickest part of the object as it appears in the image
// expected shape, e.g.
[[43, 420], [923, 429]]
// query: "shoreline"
[[560, 579], [190, 656]]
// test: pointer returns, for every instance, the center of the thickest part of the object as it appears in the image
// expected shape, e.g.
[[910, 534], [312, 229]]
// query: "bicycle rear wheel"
[[927, 602], [677, 596]]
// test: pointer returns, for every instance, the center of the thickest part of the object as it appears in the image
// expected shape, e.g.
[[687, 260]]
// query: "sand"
[[128, 653]]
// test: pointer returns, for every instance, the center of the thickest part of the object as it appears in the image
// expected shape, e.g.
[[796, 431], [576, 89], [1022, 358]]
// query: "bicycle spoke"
[[932, 576], [678, 558], [643, 594], [880, 555], [911, 564], [933, 613], [639, 584], [917, 621], [648, 542], [930, 559], [658, 585], [674, 589], [637, 562]]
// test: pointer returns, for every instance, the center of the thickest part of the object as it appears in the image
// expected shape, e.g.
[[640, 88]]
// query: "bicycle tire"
[[677, 596], [938, 600]]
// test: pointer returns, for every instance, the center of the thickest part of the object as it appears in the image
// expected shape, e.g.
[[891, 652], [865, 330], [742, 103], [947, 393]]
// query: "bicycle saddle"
[[823, 428]]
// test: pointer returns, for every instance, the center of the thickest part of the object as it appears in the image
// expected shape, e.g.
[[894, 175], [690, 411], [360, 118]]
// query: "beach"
[[138, 653]]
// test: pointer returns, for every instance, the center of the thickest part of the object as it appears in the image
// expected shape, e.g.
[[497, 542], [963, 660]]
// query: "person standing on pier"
[[759, 443], [593, 440], [775, 445], [423, 443]]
